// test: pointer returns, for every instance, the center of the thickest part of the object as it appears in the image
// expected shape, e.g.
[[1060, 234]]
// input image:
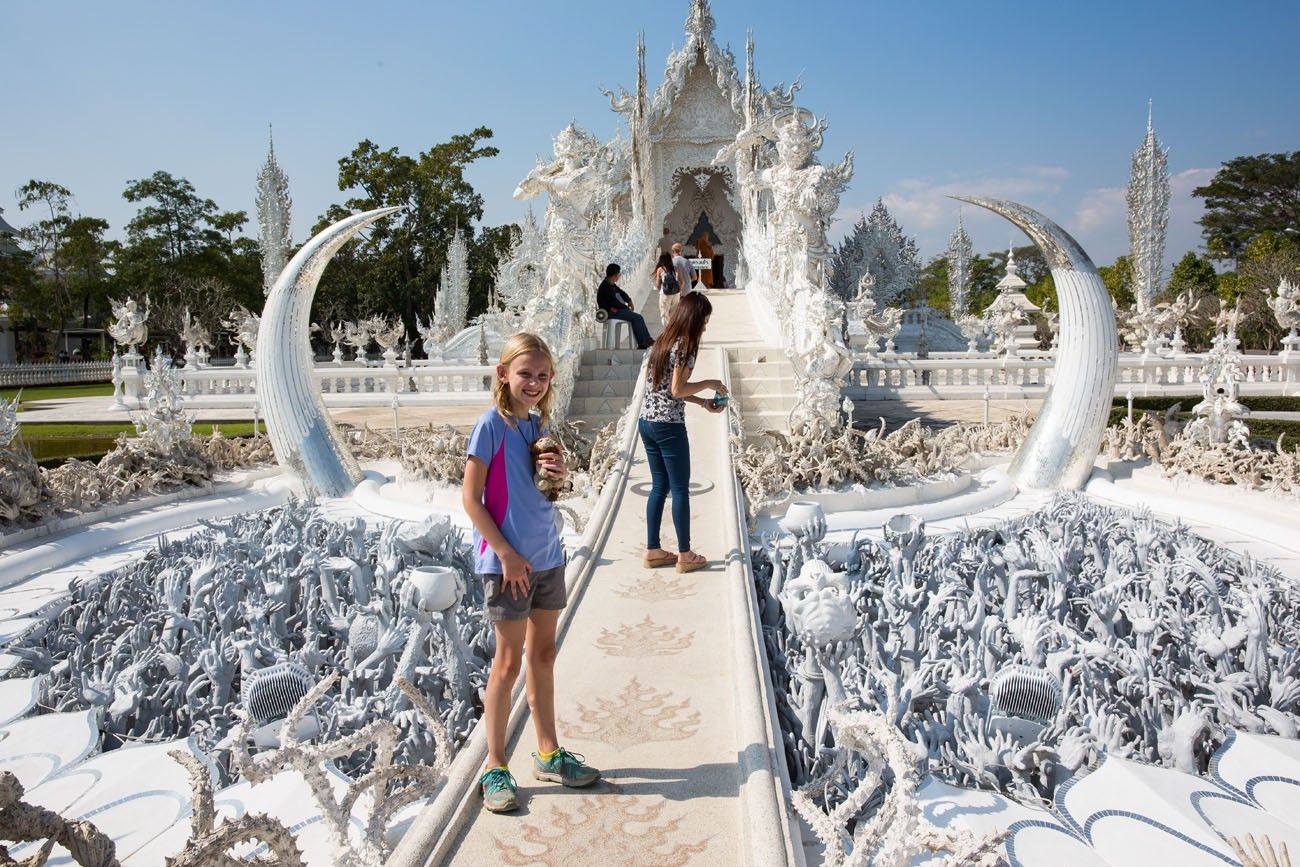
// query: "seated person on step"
[[618, 305]]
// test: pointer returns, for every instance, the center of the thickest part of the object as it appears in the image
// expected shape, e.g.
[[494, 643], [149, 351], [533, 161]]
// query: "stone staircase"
[[604, 386], [762, 381]]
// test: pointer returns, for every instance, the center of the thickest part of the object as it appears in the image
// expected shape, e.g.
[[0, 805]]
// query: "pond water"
[[90, 447]]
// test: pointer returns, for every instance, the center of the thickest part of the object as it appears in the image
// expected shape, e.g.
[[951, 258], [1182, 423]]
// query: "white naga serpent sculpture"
[[1064, 442], [304, 439]]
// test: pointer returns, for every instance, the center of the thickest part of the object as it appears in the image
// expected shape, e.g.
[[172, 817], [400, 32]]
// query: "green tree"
[[44, 239], [19, 290], [1194, 274], [178, 239], [985, 272], [485, 253], [932, 283], [1266, 261], [70, 260], [88, 260], [1118, 278], [174, 218], [1248, 196], [395, 266]]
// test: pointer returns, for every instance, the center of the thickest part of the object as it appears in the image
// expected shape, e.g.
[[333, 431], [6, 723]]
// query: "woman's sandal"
[[659, 562], [692, 565]]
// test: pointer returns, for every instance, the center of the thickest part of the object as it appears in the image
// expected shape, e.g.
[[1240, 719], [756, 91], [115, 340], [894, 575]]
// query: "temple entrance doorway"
[[702, 206]]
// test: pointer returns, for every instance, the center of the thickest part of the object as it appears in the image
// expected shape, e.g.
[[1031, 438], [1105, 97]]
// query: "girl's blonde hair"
[[517, 345]]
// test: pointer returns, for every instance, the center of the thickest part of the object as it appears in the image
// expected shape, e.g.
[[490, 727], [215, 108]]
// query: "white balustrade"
[[345, 385], [964, 376], [32, 375]]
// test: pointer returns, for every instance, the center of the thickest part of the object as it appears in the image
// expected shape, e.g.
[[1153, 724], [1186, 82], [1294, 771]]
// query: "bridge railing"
[[230, 387], [956, 375], [32, 375]]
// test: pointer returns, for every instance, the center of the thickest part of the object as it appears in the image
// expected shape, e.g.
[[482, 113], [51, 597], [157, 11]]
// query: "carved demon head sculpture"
[[818, 606]]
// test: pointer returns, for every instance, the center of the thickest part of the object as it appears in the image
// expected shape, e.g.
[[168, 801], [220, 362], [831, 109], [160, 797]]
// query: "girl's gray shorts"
[[545, 592]]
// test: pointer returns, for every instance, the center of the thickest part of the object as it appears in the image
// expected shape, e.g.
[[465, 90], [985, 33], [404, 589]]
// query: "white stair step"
[[619, 356], [605, 372], [763, 387], [598, 405], [620, 388], [766, 353], [743, 369]]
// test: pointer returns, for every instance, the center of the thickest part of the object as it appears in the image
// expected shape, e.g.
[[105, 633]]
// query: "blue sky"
[[1039, 102]]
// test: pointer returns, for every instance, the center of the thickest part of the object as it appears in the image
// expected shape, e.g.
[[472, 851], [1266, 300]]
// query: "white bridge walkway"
[[658, 684]]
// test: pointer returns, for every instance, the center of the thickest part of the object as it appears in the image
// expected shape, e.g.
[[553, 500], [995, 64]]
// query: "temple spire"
[[751, 80], [642, 88], [699, 24], [960, 252], [1148, 215], [273, 215]]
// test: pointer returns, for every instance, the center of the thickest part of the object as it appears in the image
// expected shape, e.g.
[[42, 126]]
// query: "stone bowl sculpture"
[[437, 588]]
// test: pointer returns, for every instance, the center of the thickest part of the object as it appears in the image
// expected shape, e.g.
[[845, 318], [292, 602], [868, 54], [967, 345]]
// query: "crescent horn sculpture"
[[1064, 441], [297, 422]]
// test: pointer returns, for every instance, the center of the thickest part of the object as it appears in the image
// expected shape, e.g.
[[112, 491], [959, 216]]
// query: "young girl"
[[663, 428], [519, 557]]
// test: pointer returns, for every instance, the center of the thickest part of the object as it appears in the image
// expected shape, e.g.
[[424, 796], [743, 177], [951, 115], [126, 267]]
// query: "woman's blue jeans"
[[668, 451]]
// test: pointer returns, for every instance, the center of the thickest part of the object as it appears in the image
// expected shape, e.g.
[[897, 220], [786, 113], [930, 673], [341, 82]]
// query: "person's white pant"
[[666, 305]]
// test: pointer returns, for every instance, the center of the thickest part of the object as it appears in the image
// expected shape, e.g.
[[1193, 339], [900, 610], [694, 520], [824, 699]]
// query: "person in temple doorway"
[[666, 243], [685, 273], [616, 302], [704, 250]]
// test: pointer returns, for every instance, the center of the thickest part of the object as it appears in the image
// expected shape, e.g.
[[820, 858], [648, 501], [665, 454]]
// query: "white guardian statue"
[[129, 329]]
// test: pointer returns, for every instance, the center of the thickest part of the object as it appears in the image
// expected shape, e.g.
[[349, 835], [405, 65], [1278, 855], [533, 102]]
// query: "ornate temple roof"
[[699, 46]]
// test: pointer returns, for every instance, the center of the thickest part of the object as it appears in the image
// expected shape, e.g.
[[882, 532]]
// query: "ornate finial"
[[1148, 114], [700, 23]]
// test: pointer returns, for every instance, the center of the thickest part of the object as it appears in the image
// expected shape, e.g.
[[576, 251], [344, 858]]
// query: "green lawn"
[[69, 430], [51, 444], [55, 392], [1256, 402], [1260, 428]]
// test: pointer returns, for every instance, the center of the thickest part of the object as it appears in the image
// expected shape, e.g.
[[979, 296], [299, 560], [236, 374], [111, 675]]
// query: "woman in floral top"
[[663, 428]]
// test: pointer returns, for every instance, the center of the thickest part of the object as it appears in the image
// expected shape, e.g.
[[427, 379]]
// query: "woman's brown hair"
[[685, 326]]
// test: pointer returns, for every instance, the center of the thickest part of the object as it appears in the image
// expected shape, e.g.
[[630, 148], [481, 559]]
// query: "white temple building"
[[707, 149]]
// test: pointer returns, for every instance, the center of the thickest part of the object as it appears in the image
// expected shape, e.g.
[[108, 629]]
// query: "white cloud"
[[1101, 208], [922, 203], [1096, 216], [1184, 210], [923, 208], [1056, 172]]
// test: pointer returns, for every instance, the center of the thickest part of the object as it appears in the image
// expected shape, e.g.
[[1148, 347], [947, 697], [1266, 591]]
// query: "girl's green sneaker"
[[499, 790], [565, 767]]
